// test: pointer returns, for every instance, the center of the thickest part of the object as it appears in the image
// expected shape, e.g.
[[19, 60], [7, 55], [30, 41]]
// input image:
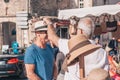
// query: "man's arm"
[[51, 32], [30, 72], [55, 72]]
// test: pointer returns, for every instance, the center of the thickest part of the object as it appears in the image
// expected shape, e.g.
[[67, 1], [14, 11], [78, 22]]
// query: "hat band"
[[41, 27]]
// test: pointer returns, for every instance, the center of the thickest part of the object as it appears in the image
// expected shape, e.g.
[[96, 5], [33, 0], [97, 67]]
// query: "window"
[[6, 1], [81, 0], [81, 5], [62, 32], [13, 32], [105, 2]]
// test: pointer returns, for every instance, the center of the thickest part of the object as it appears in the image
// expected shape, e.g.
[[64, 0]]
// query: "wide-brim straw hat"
[[78, 39], [40, 26], [75, 40]]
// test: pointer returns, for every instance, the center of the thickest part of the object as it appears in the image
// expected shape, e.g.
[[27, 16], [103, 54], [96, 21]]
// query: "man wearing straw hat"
[[96, 59], [39, 58]]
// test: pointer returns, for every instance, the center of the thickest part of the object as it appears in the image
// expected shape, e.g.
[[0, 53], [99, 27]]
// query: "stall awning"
[[96, 11]]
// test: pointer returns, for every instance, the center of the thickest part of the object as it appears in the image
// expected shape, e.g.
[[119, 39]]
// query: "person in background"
[[59, 60], [85, 28], [39, 59], [97, 41], [113, 44], [15, 47]]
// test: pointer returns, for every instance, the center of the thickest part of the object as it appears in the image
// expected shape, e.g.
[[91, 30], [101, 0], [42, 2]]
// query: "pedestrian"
[[59, 60], [39, 58], [15, 47], [96, 59]]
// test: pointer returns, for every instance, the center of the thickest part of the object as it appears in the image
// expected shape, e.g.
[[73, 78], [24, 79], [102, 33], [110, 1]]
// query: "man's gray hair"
[[87, 25]]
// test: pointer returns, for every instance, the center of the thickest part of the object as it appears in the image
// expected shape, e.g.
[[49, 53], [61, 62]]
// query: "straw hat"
[[85, 47], [75, 40], [40, 26]]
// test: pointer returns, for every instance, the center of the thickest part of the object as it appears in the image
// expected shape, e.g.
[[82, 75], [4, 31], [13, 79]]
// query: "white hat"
[[40, 26]]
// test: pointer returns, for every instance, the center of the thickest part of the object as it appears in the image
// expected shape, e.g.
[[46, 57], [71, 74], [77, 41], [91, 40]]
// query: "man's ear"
[[79, 31]]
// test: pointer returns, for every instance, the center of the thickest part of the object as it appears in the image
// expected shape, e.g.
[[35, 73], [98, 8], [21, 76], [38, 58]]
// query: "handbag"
[[111, 25], [98, 29], [103, 24], [117, 32]]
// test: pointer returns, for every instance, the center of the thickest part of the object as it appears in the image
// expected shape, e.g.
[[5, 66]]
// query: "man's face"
[[41, 34], [72, 30]]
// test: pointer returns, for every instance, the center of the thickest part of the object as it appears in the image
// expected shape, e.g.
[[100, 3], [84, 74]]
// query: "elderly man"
[[96, 59], [39, 58]]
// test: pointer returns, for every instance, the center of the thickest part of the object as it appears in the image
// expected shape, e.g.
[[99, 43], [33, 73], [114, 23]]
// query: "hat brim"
[[43, 29]]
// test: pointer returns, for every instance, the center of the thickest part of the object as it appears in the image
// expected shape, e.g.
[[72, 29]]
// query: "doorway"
[[9, 33]]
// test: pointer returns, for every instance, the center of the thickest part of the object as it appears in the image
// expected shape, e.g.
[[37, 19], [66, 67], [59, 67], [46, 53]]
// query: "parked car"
[[12, 65]]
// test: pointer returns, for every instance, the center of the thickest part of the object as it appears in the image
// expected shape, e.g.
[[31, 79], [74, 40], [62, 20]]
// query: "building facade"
[[90, 3], [79, 3], [9, 32], [104, 2]]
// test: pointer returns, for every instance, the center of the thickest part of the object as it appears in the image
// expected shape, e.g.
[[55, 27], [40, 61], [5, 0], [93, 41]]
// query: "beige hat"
[[83, 47], [40, 26], [98, 74]]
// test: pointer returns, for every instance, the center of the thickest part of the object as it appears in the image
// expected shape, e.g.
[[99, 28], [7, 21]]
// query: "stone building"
[[90, 3], [104, 2], [10, 32]]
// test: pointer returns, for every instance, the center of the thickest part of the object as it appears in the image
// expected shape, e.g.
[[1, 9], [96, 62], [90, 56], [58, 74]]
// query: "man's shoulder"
[[30, 48]]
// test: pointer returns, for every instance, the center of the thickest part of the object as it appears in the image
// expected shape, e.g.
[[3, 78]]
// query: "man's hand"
[[51, 31], [48, 21]]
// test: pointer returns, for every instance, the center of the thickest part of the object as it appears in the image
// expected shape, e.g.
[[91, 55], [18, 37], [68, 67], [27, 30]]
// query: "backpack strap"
[[81, 60], [79, 45]]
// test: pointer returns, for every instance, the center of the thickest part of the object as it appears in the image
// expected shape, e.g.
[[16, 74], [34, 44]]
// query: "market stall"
[[96, 11], [108, 18]]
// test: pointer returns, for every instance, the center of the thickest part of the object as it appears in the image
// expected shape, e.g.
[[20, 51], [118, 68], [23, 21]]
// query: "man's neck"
[[41, 43]]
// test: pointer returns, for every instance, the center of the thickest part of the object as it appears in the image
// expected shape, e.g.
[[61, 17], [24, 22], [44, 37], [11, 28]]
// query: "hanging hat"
[[40, 26]]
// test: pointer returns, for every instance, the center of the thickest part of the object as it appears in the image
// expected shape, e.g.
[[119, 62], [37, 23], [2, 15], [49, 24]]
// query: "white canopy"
[[96, 11]]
